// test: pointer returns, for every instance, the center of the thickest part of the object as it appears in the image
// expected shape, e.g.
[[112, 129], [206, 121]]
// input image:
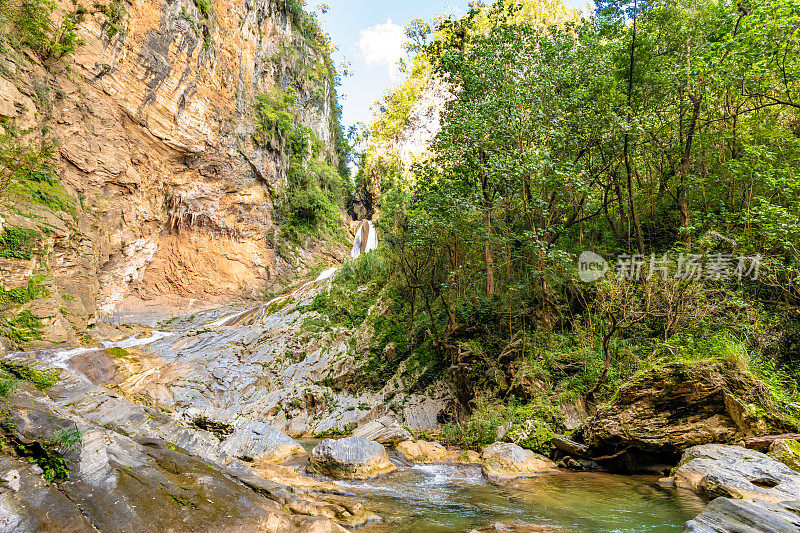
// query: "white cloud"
[[382, 45]]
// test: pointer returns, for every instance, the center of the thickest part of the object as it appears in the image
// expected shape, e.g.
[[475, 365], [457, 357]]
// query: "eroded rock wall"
[[169, 193]]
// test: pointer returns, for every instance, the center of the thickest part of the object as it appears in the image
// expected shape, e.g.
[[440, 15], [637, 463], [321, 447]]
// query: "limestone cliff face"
[[424, 123], [409, 144], [154, 127]]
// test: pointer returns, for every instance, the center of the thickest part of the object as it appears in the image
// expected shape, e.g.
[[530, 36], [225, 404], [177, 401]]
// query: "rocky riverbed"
[[204, 409]]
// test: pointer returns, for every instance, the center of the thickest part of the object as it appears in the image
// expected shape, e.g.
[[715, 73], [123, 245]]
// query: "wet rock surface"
[[425, 452], [350, 458], [725, 515], [786, 451], [266, 364], [257, 441], [731, 471]]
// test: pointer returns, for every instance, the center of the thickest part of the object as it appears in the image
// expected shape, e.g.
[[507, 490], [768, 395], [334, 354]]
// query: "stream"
[[455, 498]]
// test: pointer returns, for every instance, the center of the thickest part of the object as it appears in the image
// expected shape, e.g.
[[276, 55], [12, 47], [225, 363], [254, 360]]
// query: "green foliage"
[[7, 384], [115, 13], [22, 160], [27, 172], [27, 372], [66, 439], [120, 353], [31, 24], [315, 192], [353, 291], [18, 243], [54, 466], [335, 432], [530, 425], [204, 6], [20, 295], [676, 135], [275, 118]]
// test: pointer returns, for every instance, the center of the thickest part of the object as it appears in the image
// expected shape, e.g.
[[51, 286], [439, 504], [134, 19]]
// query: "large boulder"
[[786, 451], [506, 460], [426, 452], [385, 430], [257, 441], [668, 409], [350, 458], [725, 515], [734, 472], [422, 451], [754, 492]]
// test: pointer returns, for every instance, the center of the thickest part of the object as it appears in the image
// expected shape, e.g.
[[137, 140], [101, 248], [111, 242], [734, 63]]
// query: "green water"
[[450, 498]]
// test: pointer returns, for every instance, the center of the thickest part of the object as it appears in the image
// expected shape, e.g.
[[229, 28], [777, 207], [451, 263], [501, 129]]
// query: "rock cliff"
[[163, 194]]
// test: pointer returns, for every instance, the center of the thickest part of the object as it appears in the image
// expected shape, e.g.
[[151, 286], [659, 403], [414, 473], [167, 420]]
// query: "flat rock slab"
[[506, 460], [350, 458], [385, 430], [725, 515], [714, 470], [257, 441]]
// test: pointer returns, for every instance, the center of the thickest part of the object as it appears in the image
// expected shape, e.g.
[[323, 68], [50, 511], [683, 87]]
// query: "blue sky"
[[369, 35]]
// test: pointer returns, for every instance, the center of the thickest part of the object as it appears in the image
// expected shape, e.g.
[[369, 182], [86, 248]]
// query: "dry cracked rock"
[[350, 458], [385, 430], [257, 441]]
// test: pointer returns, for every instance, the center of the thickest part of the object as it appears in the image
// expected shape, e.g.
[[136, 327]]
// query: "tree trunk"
[[487, 215], [683, 201], [634, 215]]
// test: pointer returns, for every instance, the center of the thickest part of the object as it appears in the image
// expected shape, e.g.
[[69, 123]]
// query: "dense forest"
[[663, 136]]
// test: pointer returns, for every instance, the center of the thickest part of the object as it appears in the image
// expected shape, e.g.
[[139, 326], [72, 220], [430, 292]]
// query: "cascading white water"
[[366, 239], [60, 358]]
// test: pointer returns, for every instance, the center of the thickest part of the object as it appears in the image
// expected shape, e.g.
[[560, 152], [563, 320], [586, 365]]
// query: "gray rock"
[[507, 461], [385, 430], [257, 441], [130, 472], [731, 471], [570, 447], [725, 515], [350, 458]]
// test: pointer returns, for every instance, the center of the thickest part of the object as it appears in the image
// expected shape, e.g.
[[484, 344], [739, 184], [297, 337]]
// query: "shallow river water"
[[451, 498]]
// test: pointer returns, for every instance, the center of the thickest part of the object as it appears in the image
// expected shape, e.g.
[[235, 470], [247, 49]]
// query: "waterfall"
[[366, 239]]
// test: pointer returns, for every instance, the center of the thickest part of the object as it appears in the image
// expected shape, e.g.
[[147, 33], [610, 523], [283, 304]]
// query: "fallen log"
[[570, 447], [765, 442]]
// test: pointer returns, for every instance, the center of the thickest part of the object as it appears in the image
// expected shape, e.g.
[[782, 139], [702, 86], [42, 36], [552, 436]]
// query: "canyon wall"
[[166, 196]]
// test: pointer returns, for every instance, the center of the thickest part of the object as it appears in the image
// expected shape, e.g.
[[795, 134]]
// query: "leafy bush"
[[115, 13], [530, 425], [18, 243], [315, 192], [21, 295], [7, 384], [69, 438], [24, 161], [353, 291], [30, 24]]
